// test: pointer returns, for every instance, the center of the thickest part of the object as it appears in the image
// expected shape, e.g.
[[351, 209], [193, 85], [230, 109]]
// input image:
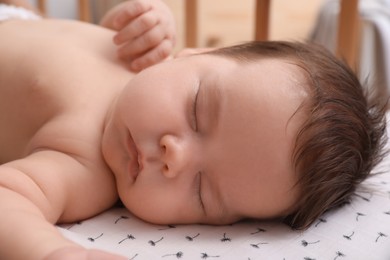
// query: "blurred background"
[[221, 22], [226, 22]]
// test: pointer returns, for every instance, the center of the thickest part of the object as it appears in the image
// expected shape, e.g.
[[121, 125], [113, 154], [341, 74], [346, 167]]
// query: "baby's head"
[[342, 136], [260, 130]]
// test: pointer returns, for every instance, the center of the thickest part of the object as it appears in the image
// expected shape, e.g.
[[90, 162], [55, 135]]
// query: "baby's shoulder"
[[54, 88], [40, 112]]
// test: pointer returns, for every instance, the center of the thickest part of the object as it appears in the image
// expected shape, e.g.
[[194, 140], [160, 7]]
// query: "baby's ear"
[[191, 51]]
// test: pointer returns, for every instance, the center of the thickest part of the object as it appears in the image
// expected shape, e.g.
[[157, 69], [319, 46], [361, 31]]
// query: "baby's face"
[[205, 139]]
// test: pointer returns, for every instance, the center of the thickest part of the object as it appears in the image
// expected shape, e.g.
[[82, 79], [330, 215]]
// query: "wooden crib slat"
[[348, 32], [191, 23], [84, 10], [262, 15], [42, 6]]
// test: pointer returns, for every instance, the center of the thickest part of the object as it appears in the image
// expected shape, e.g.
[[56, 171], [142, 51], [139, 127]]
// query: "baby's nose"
[[175, 155]]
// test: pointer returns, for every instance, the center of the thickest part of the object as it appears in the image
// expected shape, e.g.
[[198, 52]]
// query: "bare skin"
[[36, 139], [67, 109], [37, 99]]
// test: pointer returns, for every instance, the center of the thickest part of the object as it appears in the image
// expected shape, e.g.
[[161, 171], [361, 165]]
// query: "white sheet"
[[360, 230]]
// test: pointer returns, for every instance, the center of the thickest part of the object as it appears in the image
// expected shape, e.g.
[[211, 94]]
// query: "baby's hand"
[[146, 31], [78, 253]]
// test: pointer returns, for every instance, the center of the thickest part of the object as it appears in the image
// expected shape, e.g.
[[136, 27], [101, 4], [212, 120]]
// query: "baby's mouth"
[[140, 165], [135, 165]]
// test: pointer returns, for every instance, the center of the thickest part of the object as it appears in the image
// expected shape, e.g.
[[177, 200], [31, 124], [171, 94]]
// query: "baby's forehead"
[[257, 72], [281, 70], [287, 63]]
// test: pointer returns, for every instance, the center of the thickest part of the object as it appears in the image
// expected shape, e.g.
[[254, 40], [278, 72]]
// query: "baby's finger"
[[141, 44], [132, 10], [153, 56], [137, 27]]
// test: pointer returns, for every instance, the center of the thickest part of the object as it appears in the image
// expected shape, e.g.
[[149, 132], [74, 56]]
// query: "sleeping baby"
[[264, 130]]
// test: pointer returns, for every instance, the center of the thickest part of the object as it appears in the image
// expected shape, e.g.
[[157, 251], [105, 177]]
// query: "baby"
[[259, 130]]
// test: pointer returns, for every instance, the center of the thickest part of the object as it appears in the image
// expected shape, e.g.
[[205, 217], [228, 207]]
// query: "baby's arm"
[[36, 192], [146, 31]]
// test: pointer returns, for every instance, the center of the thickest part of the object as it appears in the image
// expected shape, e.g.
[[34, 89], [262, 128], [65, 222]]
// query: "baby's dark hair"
[[341, 139]]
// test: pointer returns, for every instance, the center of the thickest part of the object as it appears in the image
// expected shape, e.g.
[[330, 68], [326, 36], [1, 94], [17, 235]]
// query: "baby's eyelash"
[[195, 119], [199, 189]]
